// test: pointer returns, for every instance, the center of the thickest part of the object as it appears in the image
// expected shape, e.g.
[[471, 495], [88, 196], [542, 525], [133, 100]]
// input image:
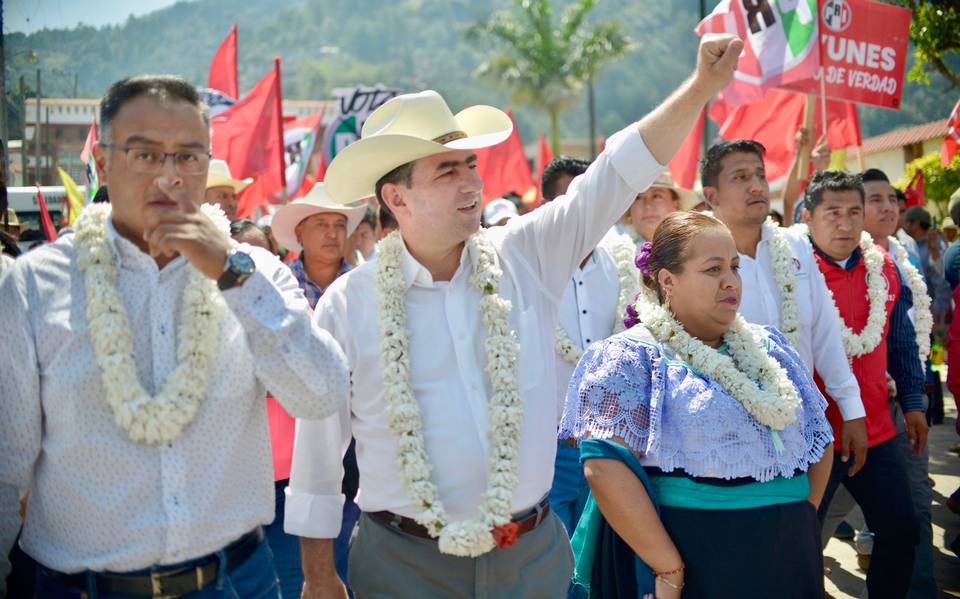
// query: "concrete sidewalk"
[[847, 581]]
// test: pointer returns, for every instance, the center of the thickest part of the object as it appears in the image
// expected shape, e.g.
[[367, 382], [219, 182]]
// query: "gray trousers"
[[388, 563]]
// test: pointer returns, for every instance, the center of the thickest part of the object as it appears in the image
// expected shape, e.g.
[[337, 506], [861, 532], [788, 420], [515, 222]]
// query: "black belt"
[[166, 581], [525, 522]]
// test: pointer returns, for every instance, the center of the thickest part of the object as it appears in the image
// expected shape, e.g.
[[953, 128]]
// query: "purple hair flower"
[[642, 259]]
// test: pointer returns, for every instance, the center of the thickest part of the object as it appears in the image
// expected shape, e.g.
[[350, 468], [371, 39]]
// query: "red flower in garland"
[[505, 535]]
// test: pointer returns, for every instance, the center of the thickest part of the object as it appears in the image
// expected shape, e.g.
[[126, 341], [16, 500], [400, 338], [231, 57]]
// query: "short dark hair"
[[712, 163], [241, 226], [830, 181], [874, 174], [901, 197], [954, 210], [556, 168], [401, 175], [369, 217], [161, 87]]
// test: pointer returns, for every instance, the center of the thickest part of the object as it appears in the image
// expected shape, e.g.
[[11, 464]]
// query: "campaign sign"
[[356, 104], [863, 52]]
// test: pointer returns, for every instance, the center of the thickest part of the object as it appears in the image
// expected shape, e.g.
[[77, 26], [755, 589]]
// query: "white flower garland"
[[145, 418], [622, 250], [773, 403], [867, 340], [472, 537], [922, 316], [784, 273]]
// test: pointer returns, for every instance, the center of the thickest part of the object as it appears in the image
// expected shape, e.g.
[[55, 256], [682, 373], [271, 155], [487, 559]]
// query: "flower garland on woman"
[[478, 535], [147, 418], [622, 250]]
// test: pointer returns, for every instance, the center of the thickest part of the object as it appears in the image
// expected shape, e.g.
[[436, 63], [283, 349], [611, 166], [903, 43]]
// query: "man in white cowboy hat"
[[449, 334], [222, 188], [653, 205], [318, 228]]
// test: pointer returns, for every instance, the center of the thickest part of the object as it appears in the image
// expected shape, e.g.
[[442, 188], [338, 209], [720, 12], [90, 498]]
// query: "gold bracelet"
[[675, 587]]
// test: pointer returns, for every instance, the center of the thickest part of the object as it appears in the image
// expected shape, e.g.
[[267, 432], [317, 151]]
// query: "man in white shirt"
[[782, 285], [449, 336], [591, 309], [131, 401]]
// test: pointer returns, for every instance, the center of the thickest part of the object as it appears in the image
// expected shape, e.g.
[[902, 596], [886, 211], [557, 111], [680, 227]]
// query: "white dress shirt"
[[538, 253], [589, 310], [100, 501], [820, 344]]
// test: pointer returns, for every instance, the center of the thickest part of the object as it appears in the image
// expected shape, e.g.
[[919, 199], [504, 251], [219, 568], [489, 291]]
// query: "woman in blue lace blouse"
[[714, 423]]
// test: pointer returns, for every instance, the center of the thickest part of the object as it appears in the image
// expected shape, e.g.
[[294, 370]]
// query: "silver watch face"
[[241, 263]]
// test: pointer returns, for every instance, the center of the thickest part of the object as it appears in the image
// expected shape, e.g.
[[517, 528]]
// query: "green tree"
[[543, 63], [939, 182], [935, 33]]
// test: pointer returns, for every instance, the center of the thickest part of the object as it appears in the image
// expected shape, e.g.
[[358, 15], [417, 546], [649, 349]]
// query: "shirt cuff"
[[313, 516], [851, 408], [631, 158], [912, 402]]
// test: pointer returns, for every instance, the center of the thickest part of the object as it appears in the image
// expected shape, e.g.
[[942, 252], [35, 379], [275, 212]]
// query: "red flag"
[[504, 168], [914, 190], [683, 167], [952, 141], [46, 222], [774, 122], [249, 136], [223, 67], [321, 167], [779, 46], [546, 155]]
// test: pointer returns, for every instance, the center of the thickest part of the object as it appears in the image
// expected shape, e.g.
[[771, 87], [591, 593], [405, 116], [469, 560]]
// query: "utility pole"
[[76, 83], [592, 119], [23, 137], [36, 134], [4, 161]]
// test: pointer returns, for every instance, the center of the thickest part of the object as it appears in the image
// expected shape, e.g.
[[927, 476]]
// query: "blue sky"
[[28, 16]]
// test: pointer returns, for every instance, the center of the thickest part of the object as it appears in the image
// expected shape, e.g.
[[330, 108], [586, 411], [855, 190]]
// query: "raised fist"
[[717, 60]]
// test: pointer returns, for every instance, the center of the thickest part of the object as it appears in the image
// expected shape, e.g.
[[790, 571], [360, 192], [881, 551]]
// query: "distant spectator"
[[558, 174], [362, 244], [498, 212], [222, 188], [247, 231], [11, 225]]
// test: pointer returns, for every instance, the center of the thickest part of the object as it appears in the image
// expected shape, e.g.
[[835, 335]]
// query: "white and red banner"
[[780, 44], [863, 51], [952, 141]]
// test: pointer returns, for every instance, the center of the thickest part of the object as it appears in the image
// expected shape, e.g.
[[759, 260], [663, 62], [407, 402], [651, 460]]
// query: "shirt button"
[[579, 282], [584, 311], [588, 341], [163, 329]]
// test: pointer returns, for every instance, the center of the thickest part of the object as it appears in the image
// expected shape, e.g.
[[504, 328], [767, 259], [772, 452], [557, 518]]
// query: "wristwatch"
[[238, 268]]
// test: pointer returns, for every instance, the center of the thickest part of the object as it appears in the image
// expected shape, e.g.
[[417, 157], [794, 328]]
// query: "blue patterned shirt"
[[311, 289]]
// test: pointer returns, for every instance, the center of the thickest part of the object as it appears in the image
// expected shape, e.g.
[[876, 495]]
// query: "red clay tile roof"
[[905, 137]]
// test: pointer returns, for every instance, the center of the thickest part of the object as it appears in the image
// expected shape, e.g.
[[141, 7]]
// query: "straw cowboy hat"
[[218, 175], [404, 129], [688, 197], [285, 221]]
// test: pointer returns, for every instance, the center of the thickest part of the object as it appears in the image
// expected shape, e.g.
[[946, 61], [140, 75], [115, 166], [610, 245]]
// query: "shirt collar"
[[848, 264], [300, 271], [415, 273]]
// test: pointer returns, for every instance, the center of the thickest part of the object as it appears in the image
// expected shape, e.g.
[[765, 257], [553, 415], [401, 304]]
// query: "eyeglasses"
[[150, 162]]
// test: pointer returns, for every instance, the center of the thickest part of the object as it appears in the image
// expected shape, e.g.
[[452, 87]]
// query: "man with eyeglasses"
[[131, 404]]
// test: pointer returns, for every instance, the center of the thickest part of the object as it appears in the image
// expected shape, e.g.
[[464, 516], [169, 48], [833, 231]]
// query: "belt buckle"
[[156, 586]]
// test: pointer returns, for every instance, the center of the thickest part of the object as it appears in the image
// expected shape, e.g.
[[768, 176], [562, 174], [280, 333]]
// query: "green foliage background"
[[413, 44]]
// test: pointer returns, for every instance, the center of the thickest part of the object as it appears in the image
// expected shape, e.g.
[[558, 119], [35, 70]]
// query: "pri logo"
[[837, 15]]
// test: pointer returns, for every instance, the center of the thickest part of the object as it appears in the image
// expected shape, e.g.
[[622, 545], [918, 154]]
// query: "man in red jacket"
[[878, 337]]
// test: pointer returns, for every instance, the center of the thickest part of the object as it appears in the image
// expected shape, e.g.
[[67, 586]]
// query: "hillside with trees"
[[410, 44]]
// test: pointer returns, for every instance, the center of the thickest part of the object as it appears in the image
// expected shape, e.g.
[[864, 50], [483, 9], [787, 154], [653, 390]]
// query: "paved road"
[[847, 580]]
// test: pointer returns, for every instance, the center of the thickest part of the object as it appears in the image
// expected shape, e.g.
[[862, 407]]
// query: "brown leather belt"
[[525, 523], [166, 581]]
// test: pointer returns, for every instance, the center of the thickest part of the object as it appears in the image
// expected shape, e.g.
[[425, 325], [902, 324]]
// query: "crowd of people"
[[615, 394]]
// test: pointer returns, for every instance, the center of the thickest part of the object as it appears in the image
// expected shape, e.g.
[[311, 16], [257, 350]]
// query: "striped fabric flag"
[[780, 44], [86, 156], [952, 141]]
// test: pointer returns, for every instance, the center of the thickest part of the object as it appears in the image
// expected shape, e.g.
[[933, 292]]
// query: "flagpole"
[[280, 147], [823, 102], [236, 61], [803, 162]]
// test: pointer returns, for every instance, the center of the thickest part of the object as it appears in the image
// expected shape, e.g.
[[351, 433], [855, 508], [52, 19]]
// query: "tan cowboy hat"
[[688, 197], [285, 221], [404, 129], [218, 175], [11, 220]]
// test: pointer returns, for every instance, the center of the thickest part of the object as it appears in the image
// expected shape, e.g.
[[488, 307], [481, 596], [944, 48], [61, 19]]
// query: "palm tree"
[[546, 64]]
